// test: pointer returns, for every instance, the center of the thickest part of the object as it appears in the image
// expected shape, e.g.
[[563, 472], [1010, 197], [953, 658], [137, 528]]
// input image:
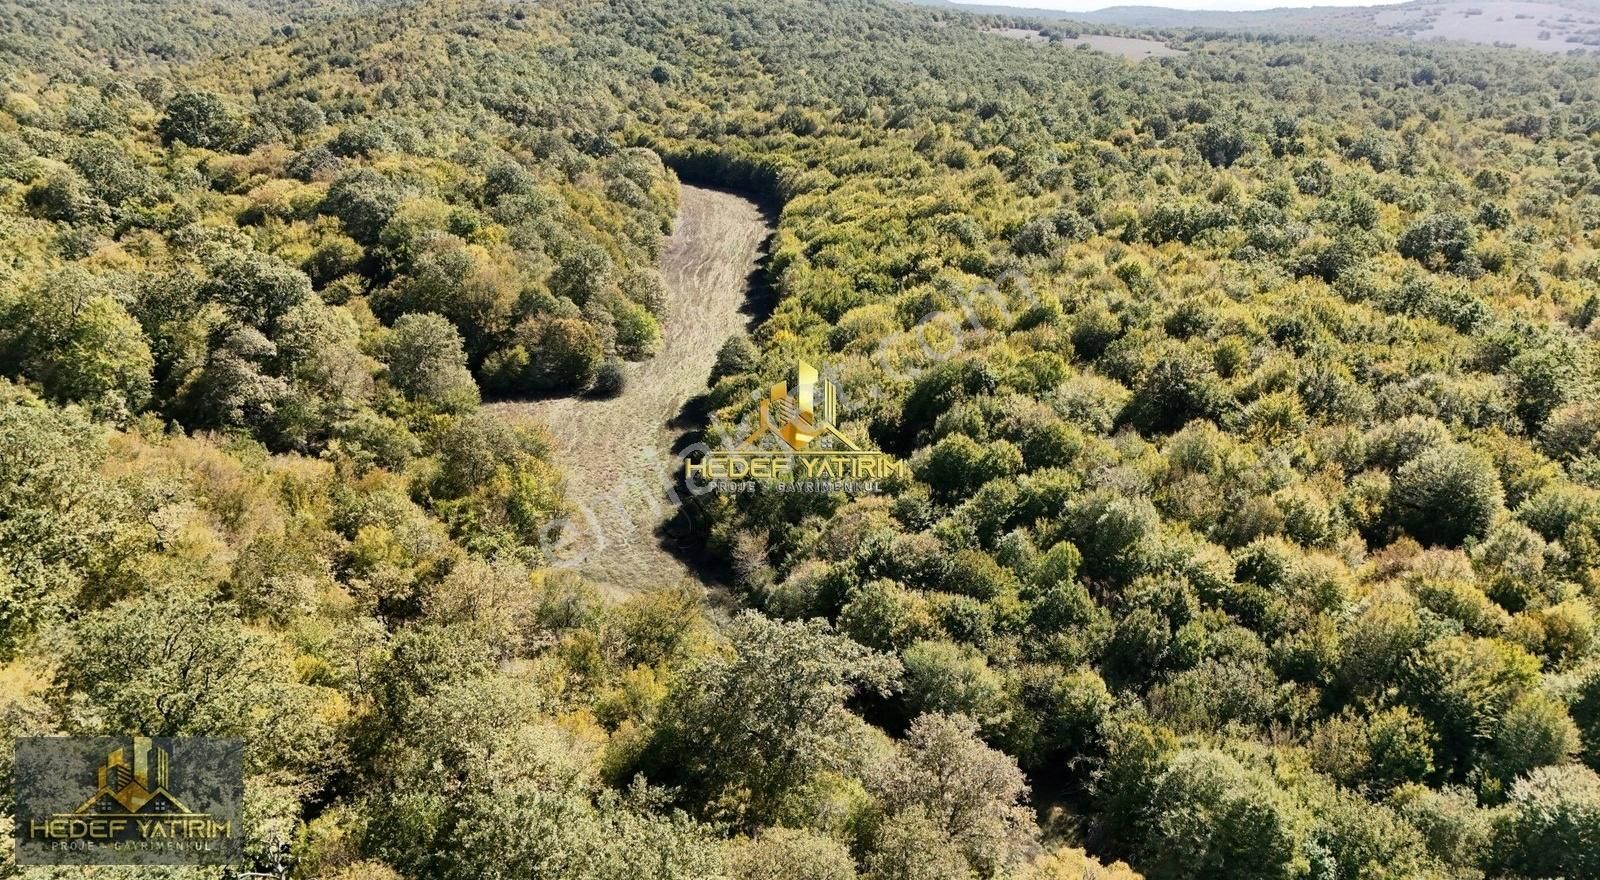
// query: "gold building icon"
[[133, 781], [796, 442], [800, 418]]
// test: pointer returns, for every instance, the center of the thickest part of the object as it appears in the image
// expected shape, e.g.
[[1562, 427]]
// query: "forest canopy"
[[1252, 520]]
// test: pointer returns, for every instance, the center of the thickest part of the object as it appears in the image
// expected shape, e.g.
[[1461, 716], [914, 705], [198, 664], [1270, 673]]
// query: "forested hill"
[[1249, 396], [52, 36]]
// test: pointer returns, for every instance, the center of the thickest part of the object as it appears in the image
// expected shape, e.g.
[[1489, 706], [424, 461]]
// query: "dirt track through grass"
[[617, 452]]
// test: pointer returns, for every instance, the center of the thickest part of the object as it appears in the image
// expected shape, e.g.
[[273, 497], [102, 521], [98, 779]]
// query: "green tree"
[[1465, 687], [1586, 713], [199, 119], [1221, 144], [427, 363], [1443, 240], [1447, 494], [1543, 377], [115, 177], [951, 679], [910, 845], [1454, 828], [494, 484], [1551, 826], [973, 796], [257, 289], [1210, 816], [886, 616], [101, 359], [581, 274], [957, 466], [1535, 732], [737, 355], [66, 197], [81, 345], [1353, 839], [564, 353], [785, 853], [740, 730], [201, 673], [1178, 389], [1376, 754], [638, 334], [364, 201], [471, 288], [512, 795], [64, 530]]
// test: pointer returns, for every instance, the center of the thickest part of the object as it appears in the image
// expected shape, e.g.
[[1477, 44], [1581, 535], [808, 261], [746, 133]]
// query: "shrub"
[[609, 379], [737, 355]]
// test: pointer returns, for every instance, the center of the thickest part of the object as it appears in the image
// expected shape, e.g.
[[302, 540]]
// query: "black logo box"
[[128, 800]]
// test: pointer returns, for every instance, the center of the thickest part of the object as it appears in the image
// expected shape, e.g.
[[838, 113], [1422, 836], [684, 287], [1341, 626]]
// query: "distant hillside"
[[1545, 26], [1287, 18]]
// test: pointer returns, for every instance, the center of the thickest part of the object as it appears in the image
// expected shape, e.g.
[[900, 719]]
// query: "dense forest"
[[1249, 394]]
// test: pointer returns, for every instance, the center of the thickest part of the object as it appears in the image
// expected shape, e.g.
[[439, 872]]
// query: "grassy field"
[[617, 451], [1132, 48], [1547, 27]]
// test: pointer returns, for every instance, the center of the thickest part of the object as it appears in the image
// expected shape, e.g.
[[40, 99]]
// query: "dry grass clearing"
[[617, 452], [1132, 48], [1548, 27]]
